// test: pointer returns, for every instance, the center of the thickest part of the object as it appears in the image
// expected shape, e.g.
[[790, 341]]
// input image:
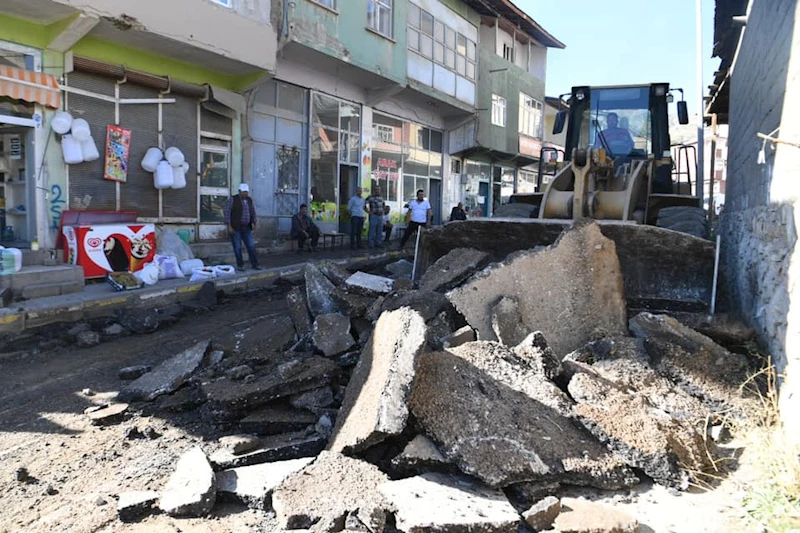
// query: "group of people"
[[241, 220]]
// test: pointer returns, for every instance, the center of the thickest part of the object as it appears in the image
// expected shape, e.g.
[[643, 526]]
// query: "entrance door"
[[435, 199], [17, 222], [483, 194], [348, 181], [215, 187]]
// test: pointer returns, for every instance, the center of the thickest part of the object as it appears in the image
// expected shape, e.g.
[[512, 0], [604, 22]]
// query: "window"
[[384, 133], [498, 110], [379, 16], [508, 52], [214, 180], [530, 116], [226, 3], [435, 40], [331, 4]]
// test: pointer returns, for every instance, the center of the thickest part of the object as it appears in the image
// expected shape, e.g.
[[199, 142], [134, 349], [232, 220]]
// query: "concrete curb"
[[88, 305]]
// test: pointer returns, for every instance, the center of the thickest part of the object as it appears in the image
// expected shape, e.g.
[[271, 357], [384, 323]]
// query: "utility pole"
[[700, 177]]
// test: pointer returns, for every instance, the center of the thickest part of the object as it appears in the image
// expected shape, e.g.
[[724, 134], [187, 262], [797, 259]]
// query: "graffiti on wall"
[[57, 204]]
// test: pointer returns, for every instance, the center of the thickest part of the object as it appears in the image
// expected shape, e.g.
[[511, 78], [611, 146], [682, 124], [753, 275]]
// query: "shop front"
[[25, 94]]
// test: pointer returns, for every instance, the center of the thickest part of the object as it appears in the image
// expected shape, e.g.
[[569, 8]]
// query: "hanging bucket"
[[80, 130], [174, 156], [179, 176], [89, 150], [151, 159], [71, 149], [162, 177], [61, 123]]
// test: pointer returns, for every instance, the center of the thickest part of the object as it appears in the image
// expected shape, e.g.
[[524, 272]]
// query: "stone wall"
[[758, 227]]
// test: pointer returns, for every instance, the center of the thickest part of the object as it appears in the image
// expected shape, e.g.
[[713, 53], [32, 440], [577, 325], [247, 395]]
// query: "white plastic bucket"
[[80, 130], [188, 266], [61, 123], [179, 176], [162, 177], [174, 156], [151, 159], [89, 150], [71, 149]]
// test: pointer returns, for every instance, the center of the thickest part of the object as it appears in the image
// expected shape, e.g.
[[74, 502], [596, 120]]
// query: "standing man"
[[418, 214], [356, 209], [375, 207], [240, 216], [303, 228]]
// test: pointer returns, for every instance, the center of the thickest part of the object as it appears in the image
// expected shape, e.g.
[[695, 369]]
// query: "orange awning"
[[21, 84]]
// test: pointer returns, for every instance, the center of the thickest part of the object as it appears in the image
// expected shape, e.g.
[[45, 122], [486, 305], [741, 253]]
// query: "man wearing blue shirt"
[[356, 209]]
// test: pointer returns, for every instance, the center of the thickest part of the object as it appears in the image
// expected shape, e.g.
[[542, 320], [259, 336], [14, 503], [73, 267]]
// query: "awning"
[[34, 87], [224, 102]]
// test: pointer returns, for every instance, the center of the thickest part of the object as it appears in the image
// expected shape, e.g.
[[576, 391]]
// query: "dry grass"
[[769, 472]]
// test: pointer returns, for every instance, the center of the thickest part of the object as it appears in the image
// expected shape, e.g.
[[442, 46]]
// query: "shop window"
[[330, 4], [379, 16]]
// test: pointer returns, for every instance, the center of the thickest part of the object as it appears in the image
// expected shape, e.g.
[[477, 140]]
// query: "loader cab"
[[629, 122]]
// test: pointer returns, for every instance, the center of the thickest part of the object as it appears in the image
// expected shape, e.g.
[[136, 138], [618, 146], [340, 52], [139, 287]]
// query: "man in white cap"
[[240, 217]]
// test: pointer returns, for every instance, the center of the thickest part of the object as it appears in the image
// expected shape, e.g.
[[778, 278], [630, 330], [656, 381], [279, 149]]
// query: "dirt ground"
[[77, 470]]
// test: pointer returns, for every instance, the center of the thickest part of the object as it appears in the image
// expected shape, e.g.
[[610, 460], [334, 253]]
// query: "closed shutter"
[[87, 188], [179, 122], [214, 123], [138, 193]]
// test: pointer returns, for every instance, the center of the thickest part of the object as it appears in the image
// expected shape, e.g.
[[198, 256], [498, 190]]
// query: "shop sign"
[[529, 146]]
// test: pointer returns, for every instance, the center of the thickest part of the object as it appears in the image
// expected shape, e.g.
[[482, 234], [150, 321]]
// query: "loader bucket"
[[661, 269]]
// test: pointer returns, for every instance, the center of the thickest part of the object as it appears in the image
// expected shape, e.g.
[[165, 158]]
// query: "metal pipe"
[[416, 253], [716, 274], [700, 181]]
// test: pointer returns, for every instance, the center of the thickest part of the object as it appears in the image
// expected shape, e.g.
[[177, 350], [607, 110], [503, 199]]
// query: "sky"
[[619, 42]]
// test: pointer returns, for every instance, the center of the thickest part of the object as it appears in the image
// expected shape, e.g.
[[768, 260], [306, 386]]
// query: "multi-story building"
[[303, 99], [169, 72], [398, 94]]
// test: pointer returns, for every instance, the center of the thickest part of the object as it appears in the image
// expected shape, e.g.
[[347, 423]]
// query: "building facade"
[[755, 91], [140, 67], [304, 100]]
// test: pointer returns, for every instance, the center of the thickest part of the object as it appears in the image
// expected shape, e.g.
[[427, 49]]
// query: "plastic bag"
[[169, 243], [168, 267], [202, 274], [224, 270], [148, 274]]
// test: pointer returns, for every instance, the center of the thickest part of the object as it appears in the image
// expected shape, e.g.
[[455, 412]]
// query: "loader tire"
[[691, 220]]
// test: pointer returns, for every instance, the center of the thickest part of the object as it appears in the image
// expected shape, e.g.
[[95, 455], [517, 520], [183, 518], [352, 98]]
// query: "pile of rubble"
[[462, 405]]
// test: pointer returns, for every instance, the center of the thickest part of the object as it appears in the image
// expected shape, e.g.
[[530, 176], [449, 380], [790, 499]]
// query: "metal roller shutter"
[[214, 123], [87, 188], [138, 193], [179, 121]]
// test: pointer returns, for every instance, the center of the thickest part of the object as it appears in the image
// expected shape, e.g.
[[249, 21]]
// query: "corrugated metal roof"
[[509, 11]]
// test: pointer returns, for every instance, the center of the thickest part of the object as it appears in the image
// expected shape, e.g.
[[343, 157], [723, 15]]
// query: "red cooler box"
[[104, 248]]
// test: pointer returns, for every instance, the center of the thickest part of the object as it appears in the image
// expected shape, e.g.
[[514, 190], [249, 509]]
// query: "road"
[[77, 469]]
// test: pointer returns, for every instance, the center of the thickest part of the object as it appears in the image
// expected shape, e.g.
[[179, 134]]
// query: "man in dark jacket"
[[303, 228], [240, 216]]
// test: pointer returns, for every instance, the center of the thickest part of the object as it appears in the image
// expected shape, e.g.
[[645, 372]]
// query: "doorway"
[[16, 198], [348, 181]]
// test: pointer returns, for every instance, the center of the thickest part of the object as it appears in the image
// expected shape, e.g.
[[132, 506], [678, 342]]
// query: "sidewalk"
[[99, 299]]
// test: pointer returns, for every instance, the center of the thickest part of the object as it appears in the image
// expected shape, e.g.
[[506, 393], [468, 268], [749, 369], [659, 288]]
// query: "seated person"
[[616, 140], [303, 229], [387, 224], [458, 213]]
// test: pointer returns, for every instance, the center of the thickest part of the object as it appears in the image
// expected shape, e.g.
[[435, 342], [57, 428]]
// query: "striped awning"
[[34, 87]]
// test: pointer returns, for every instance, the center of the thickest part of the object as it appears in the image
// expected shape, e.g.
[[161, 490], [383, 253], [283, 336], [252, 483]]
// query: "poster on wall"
[[118, 147]]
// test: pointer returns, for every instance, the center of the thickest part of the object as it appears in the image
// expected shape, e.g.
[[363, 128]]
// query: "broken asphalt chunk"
[[437, 502], [273, 448], [318, 292], [369, 284], [375, 403], [166, 377], [191, 490], [328, 490], [331, 334], [452, 269], [252, 485], [298, 310], [567, 291], [136, 505]]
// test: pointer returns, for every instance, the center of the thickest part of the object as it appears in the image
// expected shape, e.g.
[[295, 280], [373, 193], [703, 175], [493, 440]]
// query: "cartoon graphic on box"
[[104, 248]]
